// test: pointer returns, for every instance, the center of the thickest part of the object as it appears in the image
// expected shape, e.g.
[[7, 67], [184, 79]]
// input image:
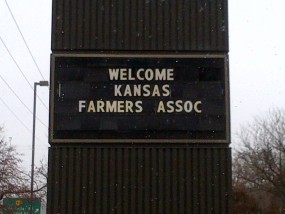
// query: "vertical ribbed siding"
[[186, 25], [184, 178], [139, 180]]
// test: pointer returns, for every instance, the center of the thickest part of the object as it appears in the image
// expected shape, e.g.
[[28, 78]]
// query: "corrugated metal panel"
[[93, 179], [186, 25]]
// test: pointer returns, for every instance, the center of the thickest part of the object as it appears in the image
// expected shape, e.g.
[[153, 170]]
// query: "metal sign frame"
[[124, 55]]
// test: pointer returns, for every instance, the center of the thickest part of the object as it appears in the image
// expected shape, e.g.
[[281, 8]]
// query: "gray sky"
[[257, 65], [34, 20], [257, 58]]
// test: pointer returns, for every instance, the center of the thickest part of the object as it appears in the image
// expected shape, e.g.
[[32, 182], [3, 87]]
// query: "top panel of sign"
[[139, 98], [137, 25]]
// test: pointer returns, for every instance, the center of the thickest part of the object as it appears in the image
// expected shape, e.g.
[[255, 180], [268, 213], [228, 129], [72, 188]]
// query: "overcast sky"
[[257, 66]]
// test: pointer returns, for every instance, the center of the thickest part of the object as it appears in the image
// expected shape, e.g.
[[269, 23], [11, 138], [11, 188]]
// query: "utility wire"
[[29, 130], [21, 100], [24, 40], [7, 49], [15, 115]]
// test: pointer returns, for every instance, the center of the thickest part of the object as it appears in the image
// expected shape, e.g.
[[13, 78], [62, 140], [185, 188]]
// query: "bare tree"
[[243, 201], [41, 176], [260, 163], [12, 177], [14, 181]]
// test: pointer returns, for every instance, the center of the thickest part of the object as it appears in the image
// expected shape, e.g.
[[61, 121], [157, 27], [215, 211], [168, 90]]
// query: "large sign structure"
[[139, 98], [139, 111]]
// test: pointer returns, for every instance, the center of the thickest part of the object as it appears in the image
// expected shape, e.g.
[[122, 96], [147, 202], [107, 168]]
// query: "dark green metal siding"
[[140, 179], [184, 25]]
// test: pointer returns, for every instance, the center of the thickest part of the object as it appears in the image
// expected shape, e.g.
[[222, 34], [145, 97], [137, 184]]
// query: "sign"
[[20, 206], [139, 98]]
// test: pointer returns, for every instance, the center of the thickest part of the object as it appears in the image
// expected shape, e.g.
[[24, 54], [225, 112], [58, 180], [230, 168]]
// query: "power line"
[[15, 115], [15, 62], [7, 49], [20, 99], [29, 130], [24, 40]]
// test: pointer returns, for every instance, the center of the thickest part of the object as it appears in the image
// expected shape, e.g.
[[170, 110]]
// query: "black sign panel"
[[139, 98]]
